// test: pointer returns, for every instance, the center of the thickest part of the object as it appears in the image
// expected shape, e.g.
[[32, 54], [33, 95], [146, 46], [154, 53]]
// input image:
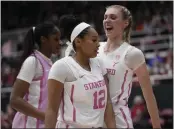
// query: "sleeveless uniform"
[[36, 96], [84, 99], [120, 83]]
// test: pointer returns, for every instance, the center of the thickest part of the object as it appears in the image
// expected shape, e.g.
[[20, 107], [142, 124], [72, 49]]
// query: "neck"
[[82, 60], [45, 52], [113, 43]]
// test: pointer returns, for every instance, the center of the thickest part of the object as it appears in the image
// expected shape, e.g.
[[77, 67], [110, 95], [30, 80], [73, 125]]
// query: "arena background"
[[152, 33]]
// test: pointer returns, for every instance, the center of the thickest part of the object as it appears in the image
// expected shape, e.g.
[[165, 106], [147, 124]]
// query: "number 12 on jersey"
[[99, 99]]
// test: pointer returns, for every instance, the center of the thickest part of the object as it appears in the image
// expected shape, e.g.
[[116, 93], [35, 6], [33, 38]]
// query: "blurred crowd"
[[161, 65], [7, 118], [146, 16], [141, 118], [157, 65], [149, 18]]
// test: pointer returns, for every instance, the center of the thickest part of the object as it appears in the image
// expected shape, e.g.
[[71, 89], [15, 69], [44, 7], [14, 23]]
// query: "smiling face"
[[113, 22], [116, 21]]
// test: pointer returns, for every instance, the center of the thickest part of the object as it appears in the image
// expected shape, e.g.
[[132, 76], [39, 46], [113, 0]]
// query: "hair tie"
[[69, 49], [33, 29]]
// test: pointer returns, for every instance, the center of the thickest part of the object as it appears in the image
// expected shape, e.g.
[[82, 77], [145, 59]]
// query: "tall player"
[[29, 95], [123, 60], [76, 84]]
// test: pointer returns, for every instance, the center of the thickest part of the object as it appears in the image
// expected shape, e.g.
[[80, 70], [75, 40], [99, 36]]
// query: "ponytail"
[[32, 40], [28, 47], [127, 31]]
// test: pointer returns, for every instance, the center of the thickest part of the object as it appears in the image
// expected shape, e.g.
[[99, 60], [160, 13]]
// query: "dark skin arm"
[[109, 116], [55, 89], [17, 102]]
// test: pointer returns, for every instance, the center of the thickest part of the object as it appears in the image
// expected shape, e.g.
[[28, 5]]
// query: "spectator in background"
[[167, 117], [147, 23], [6, 69], [157, 58], [156, 19], [168, 17], [7, 49], [138, 109], [169, 63], [6, 118], [4, 121], [156, 63], [140, 25]]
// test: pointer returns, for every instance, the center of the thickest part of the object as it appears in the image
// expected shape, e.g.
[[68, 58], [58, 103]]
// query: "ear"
[[43, 39], [126, 23], [77, 42]]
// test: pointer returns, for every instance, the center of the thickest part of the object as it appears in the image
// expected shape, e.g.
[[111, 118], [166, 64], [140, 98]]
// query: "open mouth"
[[109, 29]]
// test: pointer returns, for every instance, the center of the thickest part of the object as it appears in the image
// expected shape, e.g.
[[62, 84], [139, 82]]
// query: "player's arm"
[[141, 71], [55, 89], [148, 94], [21, 87], [56, 79], [109, 116]]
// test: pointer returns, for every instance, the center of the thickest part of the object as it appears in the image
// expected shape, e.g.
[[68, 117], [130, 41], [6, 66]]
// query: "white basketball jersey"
[[119, 75], [84, 100]]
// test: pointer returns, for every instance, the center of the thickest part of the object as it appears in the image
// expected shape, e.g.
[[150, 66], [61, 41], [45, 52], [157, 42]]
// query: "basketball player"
[[123, 60], [29, 95], [76, 84]]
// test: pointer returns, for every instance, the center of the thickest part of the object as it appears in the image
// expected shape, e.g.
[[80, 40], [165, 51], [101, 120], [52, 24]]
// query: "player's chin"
[[94, 55], [109, 35], [56, 52]]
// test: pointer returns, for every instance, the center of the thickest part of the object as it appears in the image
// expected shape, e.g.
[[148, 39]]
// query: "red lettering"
[[94, 85], [111, 71], [86, 86]]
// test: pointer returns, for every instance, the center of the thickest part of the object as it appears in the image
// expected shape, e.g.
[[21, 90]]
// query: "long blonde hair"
[[126, 14]]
